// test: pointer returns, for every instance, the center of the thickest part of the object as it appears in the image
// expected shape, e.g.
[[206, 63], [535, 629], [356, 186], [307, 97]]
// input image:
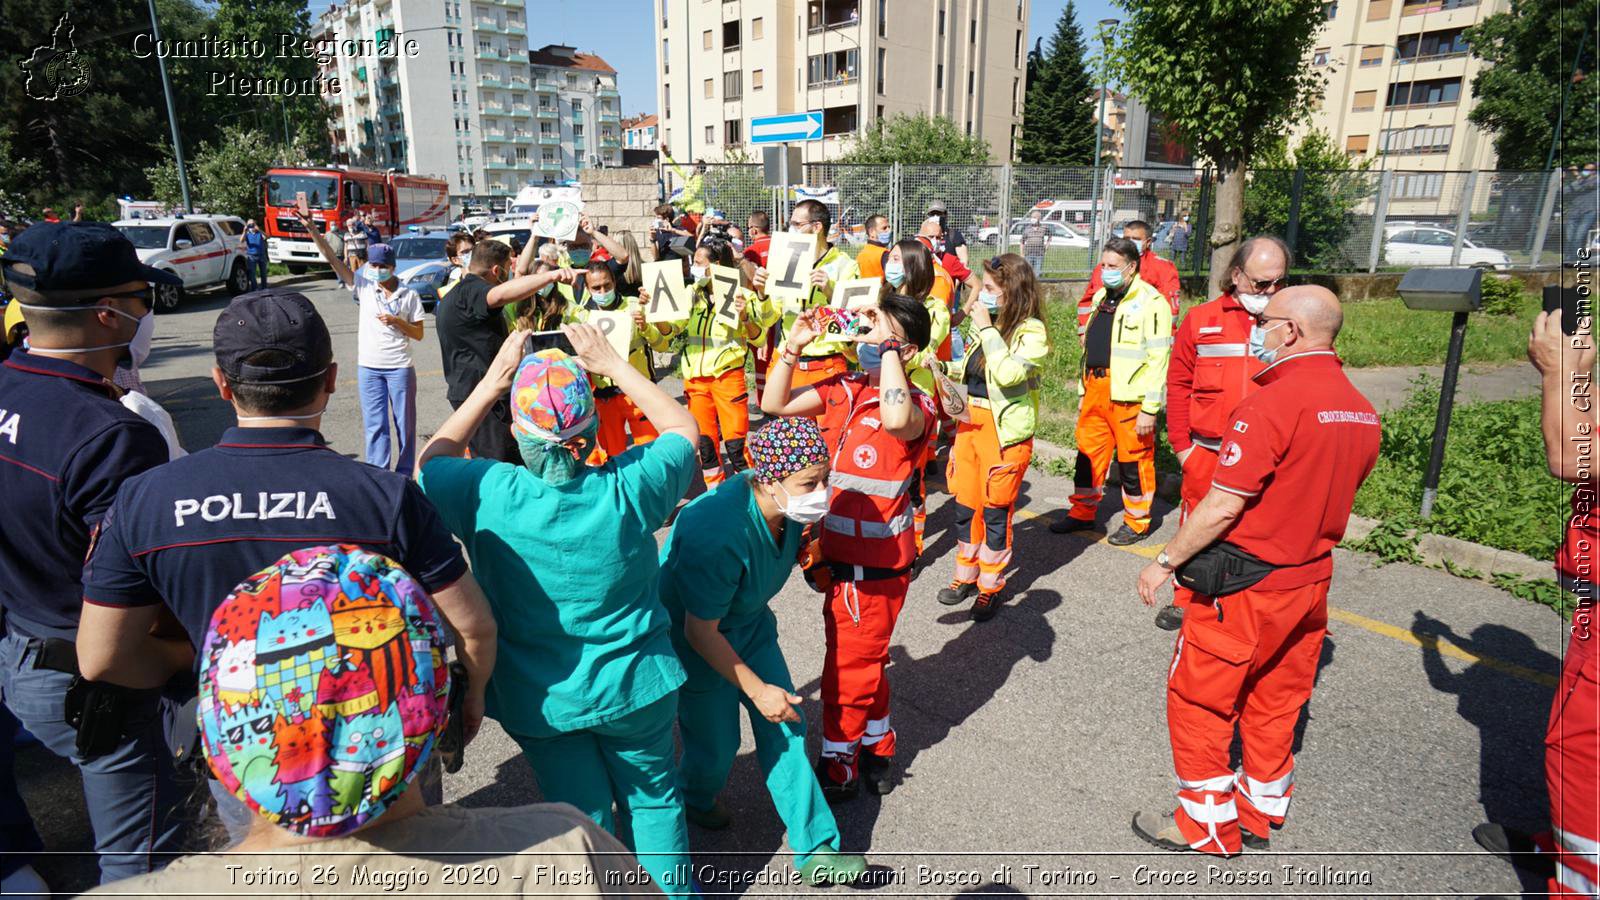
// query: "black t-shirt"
[[973, 375], [470, 334], [1097, 340], [625, 288]]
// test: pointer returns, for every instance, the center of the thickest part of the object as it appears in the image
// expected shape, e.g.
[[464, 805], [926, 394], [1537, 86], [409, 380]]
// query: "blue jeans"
[[387, 393], [1036, 262], [256, 268], [134, 804]]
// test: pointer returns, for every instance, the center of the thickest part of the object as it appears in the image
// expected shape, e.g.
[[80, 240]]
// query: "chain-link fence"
[[1366, 220]]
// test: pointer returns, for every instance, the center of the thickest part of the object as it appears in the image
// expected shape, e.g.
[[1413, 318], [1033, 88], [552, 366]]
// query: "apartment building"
[[641, 132], [1399, 86], [471, 104], [723, 62]]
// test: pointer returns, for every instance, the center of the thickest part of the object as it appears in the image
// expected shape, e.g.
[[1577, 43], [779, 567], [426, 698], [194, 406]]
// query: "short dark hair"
[[817, 211], [720, 250], [1140, 224], [760, 220], [876, 218], [1124, 248], [454, 244], [486, 254], [601, 267], [913, 317], [272, 399]]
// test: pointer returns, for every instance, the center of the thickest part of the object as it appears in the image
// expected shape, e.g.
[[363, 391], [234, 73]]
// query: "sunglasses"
[[1264, 285]]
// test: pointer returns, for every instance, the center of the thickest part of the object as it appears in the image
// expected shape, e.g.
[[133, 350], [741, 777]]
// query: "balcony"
[[519, 82], [610, 143], [516, 28], [608, 115], [514, 4], [833, 14], [494, 109], [490, 55], [494, 135], [521, 109], [389, 109], [607, 93], [546, 87], [545, 112], [521, 137], [487, 25], [388, 81], [526, 165], [550, 165], [489, 79]]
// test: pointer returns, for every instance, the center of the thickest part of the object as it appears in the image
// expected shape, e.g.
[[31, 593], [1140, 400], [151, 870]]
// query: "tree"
[[948, 157], [1331, 190], [1058, 124], [1531, 52], [225, 176], [916, 141], [1227, 75]]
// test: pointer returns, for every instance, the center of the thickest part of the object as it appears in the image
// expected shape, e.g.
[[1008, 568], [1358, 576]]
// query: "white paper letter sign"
[[789, 264], [669, 295]]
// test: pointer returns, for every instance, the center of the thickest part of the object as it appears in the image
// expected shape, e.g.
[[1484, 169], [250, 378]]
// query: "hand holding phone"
[[548, 340]]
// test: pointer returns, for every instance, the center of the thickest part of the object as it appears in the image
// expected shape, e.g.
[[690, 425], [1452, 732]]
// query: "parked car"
[[205, 251], [1060, 236], [420, 264], [1429, 245]]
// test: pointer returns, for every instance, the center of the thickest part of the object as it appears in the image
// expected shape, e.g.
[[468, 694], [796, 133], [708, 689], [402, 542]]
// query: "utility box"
[[780, 165], [1442, 290]]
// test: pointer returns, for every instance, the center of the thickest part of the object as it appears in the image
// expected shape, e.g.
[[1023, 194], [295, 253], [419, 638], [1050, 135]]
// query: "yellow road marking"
[[1403, 635]]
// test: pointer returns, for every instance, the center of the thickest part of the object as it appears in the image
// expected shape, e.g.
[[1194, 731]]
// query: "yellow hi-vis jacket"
[[1141, 345], [651, 338], [711, 346]]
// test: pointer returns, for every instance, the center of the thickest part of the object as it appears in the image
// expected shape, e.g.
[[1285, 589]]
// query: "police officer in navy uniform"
[[181, 537], [66, 445]]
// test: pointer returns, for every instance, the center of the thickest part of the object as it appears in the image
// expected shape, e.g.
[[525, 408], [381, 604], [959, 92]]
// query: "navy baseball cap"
[[272, 319], [72, 257], [380, 255]]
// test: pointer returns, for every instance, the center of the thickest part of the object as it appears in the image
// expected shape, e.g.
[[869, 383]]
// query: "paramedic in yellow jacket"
[[828, 356], [712, 363], [1126, 345], [620, 420]]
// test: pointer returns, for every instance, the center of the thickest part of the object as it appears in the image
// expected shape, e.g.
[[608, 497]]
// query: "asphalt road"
[[1028, 742]]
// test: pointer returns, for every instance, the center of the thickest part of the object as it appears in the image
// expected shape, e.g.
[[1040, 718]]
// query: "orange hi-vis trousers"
[[1572, 762], [985, 480], [1106, 425], [620, 420], [720, 406], [858, 621], [1248, 659], [1198, 468]]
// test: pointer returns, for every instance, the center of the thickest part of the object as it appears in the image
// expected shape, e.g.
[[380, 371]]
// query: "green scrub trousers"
[[708, 724], [626, 762]]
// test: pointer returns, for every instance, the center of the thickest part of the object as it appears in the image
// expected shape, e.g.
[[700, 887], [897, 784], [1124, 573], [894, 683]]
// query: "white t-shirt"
[[381, 346]]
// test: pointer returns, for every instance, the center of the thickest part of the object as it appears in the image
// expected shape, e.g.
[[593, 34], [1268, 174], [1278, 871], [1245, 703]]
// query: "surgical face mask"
[[698, 273], [140, 325], [1254, 304], [466, 260], [139, 348], [990, 300], [884, 238], [1112, 278], [806, 508], [1139, 243], [1258, 343], [869, 356], [606, 299], [379, 273], [894, 273], [545, 291]]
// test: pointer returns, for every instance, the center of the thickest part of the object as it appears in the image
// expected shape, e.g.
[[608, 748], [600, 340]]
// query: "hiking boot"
[[1067, 525], [1515, 847], [829, 866], [1170, 618], [1160, 829], [984, 608], [957, 593], [714, 818], [1253, 841], [1126, 536], [877, 772], [834, 790]]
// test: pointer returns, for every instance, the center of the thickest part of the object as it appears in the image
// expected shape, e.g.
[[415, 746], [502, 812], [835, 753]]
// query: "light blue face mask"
[[1258, 343], [894, 273], [990, 300], [869, 356], [1139, 244], [379, 273], [1112, 278], [607, 299]]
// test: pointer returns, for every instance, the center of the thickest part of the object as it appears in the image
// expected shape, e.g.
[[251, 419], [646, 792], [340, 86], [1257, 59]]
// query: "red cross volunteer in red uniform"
[[876, 426], [1286, 478], [1211, 370]]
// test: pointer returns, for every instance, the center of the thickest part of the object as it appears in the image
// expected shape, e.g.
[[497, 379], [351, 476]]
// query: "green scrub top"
[[720, 562], [571, 574]]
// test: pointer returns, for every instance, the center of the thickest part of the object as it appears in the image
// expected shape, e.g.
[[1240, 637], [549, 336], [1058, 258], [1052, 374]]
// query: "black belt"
[[846, 572], [54, 654], [1098, 372], [606, 393], [808, 363]]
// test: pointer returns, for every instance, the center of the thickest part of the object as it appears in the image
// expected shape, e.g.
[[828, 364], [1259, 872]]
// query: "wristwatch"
[[1164, 561]]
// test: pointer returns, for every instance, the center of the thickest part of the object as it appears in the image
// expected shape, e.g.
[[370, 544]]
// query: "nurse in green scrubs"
[[730, 552]]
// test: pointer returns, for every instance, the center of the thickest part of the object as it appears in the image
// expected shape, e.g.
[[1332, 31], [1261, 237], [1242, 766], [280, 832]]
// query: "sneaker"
[[828, 866], [984, 608], [1170, 618], [714, 818], [1515, 847], [834, 790], [878, 773], [1067, 525], [957, 593], [1126, 536]]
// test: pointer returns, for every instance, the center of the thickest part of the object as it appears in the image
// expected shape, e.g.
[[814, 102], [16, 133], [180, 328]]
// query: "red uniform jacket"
[[1156, 272], [869, 520], [1210, 371]]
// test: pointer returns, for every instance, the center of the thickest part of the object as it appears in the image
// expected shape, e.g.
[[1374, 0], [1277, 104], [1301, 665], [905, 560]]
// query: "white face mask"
[[697, 272], [806, 508], [139, 348], [1254, 304], [144, 332]]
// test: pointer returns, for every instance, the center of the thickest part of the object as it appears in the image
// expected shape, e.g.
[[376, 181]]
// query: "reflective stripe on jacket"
[[1141, 344]]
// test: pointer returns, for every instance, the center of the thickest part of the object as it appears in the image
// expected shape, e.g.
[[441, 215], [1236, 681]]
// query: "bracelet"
[[892, 345]]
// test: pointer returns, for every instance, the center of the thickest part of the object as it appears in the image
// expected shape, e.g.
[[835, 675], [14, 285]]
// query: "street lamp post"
[[1099, 130], [172, 113]]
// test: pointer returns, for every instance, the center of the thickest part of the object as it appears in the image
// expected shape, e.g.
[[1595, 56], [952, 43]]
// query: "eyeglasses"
[[1263, 319], [1263, 285]]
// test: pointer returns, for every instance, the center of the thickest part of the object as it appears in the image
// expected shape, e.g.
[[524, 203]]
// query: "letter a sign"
[[669, 295]]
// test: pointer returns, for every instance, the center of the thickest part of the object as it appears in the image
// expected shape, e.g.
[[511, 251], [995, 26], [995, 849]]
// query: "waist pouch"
[[1222, 569]]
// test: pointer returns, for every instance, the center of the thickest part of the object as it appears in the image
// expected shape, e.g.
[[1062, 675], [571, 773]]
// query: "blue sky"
[[622, 32]]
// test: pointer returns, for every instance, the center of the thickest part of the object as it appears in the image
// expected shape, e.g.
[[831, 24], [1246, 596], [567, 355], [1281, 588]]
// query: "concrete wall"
[[622, 200]]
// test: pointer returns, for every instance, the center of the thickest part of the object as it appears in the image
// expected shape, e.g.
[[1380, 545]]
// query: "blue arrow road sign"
[[806, 126]]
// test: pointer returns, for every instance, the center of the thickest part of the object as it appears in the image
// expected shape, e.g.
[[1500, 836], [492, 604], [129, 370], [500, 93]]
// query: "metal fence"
[[1365, 220]]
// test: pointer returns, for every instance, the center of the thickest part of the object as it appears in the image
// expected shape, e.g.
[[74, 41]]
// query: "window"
[[730, 131], [1329, 10], [971, 81], [1420, 7], [730, 35], [1378, 10], [1016, 95], [1016, 52], [709, 88], [1433, 92], [1423, 139], [705, 40], [883, 17], [1319, 56], [973, 39], [758, 79], [839, 120], [1433, 45], [758, 28], [732, 85], [200, 234], [1364, 101], [938, 77], [1371, 56], [1419, 186], [666, 58], [577, 105], [969, 128], [711, 134], [1355, 145], [881, 56], [941, 18], [838, 67]]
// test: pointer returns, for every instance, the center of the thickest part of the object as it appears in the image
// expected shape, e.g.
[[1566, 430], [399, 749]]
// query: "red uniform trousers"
[[620, 419], [1572, 764], [1198, 468], [1251, 662], [858, 619]]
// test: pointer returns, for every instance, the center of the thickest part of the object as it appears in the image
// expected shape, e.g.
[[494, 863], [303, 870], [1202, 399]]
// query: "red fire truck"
[[396, 201]]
